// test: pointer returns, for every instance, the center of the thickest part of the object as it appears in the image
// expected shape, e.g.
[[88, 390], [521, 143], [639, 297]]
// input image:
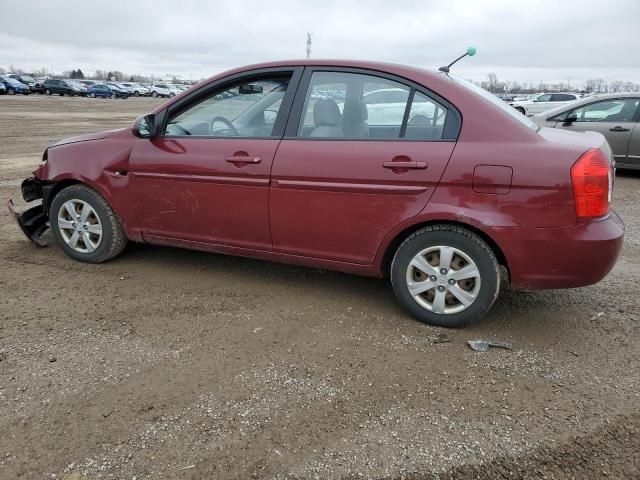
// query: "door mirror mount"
[[144, 126], [572, 117]]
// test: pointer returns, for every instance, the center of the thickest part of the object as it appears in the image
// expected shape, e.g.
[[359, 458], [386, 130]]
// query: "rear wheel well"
[[402, 236]]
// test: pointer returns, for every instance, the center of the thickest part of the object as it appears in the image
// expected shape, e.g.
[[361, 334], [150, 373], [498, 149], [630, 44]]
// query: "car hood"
[[84, 138]]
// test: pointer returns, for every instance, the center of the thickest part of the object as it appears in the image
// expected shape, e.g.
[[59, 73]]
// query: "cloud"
[[526, 41]]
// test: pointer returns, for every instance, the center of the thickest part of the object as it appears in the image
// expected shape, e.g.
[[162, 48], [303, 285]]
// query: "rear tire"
[[97, 248], [154, 94], [11, 91], [136, 93], [448, 299], [92, 95], [47, 91]]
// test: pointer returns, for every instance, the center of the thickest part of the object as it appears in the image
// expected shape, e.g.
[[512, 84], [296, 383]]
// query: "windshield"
[[27, 78], [12, 81], [496, 101]]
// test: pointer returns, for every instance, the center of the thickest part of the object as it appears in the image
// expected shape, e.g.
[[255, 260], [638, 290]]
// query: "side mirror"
[[144, 126], [270, 117], [572, 117]]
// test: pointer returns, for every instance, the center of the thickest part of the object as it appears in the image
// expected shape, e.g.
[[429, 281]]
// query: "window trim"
[[451, 128], [201, 94]]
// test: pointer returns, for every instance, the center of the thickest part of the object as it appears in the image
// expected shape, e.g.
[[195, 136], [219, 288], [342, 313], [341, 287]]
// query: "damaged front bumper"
[[34, 221]]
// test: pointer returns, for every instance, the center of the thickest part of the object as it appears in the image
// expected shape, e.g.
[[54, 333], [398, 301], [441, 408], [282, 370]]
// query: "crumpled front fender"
[[33, 222]]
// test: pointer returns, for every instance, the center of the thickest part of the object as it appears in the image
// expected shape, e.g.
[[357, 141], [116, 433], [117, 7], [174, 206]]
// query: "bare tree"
[[493, 82], [616, 86]]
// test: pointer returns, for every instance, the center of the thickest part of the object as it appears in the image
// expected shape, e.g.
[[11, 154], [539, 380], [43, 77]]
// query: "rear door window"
[[354, 106]]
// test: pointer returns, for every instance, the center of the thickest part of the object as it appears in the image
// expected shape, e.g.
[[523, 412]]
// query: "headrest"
[[355, 112], [326, 113]]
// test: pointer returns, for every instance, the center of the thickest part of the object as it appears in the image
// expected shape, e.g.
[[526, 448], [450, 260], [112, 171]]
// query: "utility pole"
[[308, 49]]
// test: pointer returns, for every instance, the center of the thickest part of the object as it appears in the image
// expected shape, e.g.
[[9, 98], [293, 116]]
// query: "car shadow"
[[516, 313], [627, 173]]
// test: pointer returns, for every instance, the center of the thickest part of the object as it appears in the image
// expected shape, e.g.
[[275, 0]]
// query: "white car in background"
[[162, 90], [543, 102], [136, 89], [386, 107], [175, 88]]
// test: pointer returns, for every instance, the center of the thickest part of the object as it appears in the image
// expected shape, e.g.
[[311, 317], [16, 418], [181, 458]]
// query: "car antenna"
[[471, 51]]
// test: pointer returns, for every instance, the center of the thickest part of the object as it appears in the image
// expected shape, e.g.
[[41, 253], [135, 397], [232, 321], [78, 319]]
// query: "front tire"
[[445, 275], [11, 91], [92, 95], [47, 91], [521, 110], [154, 94], [85, 226]]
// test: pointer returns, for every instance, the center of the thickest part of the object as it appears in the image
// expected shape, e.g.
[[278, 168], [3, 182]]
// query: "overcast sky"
[[518, 40]]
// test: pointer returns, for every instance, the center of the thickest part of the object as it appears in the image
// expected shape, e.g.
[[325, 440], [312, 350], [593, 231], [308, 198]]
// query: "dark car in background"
[[61, 87], [100, 90], [26, 79], [14, 86], [3, 89], [117, 92]]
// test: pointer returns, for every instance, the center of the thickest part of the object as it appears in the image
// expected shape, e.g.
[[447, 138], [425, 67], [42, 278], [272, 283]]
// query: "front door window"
[[244, 109]]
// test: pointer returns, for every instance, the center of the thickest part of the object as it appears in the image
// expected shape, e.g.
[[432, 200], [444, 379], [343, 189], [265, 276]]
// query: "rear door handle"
[[243, 159], [618, 129], [407, 164]]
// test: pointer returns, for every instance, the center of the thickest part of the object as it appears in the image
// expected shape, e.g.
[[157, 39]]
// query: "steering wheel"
[[229, 125], [177, 125]]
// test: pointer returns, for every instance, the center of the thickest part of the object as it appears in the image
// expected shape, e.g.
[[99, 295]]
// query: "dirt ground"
[[166, 363]]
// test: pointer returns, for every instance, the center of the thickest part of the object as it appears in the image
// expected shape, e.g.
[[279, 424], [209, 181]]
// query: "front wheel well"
[[50, 190], [402, 236]]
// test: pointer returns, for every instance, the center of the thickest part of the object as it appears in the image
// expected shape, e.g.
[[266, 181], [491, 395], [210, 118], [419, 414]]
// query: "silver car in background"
[[615, 115]]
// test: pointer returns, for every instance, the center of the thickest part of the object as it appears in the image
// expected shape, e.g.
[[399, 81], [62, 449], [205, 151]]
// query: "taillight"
[[591, 178]]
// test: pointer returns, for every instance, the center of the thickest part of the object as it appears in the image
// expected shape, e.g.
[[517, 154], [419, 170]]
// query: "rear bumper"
[[541, 258]]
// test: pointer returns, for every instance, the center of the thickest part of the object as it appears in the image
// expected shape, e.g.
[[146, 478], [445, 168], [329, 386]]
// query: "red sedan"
[[443, 186]]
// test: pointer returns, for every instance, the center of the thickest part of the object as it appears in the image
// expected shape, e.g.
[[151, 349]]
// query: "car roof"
[[442, 84]]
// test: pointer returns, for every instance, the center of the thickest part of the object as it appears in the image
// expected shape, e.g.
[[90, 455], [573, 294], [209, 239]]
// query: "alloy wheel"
[[80, 226], [443, 279]]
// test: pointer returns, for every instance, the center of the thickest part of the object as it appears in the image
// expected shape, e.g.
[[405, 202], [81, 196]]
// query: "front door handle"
[[618, 129], [243, 159], [405, 164]]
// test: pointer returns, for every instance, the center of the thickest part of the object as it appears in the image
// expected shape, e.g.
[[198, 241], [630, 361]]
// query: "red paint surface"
[[334, 204]]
